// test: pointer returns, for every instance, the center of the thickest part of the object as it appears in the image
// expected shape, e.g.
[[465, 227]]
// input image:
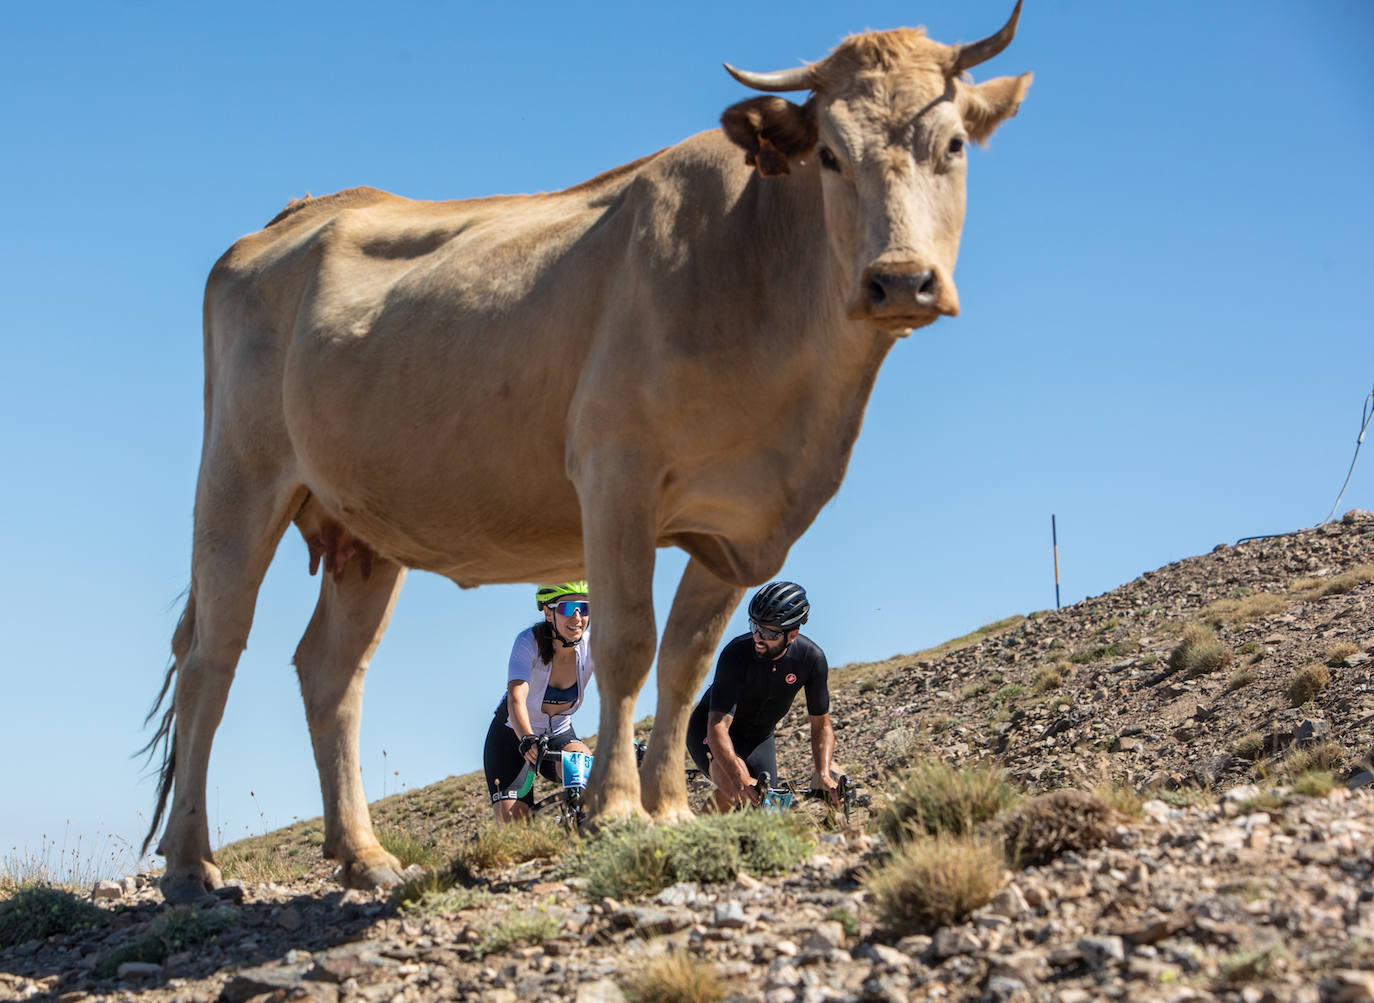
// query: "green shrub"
[[1114, 650], [846, 919], [935, 796], [173, 930], [1307, 682], [33, 913], [533, 926], [409, 850], [932, 881], [1009, 692], [1199, 652], [633, 858]]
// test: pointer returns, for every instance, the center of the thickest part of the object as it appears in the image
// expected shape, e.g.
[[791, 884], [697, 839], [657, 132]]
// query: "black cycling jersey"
[[759, 693]]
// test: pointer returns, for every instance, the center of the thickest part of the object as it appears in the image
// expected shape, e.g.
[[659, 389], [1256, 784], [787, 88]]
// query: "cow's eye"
[[828, 160], [956, 147]]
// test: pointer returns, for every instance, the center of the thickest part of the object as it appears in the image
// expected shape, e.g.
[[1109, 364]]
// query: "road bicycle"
[[565, 805], [784, 797]]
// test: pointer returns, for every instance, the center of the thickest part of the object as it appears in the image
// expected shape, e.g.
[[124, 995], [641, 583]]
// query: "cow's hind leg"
[[332, 658], [700, 610], [238, 524]]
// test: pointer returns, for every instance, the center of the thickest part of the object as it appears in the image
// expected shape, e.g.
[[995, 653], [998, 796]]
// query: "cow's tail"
[[164, 740]]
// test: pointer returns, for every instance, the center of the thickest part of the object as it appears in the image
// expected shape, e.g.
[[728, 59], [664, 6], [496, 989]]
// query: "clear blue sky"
[[1165, 340]]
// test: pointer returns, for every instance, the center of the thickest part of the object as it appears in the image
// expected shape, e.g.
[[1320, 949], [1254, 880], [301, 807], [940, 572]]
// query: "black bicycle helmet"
[[780, 604]]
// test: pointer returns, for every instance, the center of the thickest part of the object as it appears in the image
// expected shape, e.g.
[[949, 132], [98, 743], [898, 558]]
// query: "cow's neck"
[[824, 364]]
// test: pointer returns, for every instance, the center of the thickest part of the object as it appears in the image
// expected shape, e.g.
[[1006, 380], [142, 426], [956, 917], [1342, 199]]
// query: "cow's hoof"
[[673, 814], [186, 888], [379, 873]]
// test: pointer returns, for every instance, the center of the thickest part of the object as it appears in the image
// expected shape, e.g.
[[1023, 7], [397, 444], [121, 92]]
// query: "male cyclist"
[[730, 733]]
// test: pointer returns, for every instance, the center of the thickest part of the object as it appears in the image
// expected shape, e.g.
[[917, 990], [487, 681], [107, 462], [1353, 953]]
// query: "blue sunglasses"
[[570, 606]]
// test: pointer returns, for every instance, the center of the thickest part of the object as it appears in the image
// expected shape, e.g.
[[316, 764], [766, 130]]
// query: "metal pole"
[[1054, 535]]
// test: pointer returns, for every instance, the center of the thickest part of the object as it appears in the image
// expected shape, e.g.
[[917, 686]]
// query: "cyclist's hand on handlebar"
[[529, 748], [827, 785]]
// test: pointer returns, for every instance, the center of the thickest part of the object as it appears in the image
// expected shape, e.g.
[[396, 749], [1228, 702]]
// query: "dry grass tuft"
[[1199, 652], [1307, 682], [504, 845], [1248, 746], [934, 797], [1051, 677], [675, 978], [1243, 676], [1339, 652], [932, 881], [1317, 588], [1043, 827], [1233, 611], [1325, 756]]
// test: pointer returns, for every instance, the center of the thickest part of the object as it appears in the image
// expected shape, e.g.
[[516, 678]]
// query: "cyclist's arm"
[[723, 750], [517, 693], [822, 748]]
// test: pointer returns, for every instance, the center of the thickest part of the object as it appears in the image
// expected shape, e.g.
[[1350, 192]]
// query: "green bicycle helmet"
[[548, 593]]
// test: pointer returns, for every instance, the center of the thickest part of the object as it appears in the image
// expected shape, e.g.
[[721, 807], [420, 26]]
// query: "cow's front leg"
[[618, 537], [332, 659], [701, 608]]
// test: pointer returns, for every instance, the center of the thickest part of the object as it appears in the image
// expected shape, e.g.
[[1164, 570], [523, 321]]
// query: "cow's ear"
[[985, 106], [771, 131]]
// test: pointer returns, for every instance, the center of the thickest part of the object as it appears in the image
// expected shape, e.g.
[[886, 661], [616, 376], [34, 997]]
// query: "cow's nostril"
[[929, 288], [877, 292]]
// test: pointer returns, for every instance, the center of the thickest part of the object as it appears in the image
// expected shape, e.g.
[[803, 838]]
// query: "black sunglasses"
[[766, 633]]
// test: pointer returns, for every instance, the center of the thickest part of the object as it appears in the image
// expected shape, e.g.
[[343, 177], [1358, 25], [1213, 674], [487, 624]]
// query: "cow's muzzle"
[[894, 295]]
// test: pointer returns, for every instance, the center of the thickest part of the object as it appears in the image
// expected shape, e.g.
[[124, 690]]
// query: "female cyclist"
[[550, 668]]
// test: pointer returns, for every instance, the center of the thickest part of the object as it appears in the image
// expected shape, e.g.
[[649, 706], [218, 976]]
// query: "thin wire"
[[1366, 413]]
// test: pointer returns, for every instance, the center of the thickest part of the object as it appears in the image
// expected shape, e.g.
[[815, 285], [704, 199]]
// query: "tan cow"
[[677, 352]]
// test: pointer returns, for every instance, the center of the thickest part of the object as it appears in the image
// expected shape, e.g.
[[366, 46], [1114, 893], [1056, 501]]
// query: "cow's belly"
[[438, 467]]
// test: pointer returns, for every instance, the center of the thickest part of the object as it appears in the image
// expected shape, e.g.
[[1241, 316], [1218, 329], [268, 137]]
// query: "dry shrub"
[[1340, 651], [933, 881], [675, 978], [1233, 611], [504, 845], [1243, 676], [1051, 677], [898, 747], [1307, 682], [1316, 588], [1325, 756], [1199, 652], [1314, 784], [1248, 746], [935, 796], [1043, 827]]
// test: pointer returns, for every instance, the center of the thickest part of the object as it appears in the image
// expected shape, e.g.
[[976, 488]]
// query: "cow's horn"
[[799, 78], [980, 52]]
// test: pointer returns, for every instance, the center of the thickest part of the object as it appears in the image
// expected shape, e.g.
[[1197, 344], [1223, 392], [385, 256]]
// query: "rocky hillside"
[[1211, 702]]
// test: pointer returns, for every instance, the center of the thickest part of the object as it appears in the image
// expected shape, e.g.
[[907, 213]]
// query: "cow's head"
[[886, 127]]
